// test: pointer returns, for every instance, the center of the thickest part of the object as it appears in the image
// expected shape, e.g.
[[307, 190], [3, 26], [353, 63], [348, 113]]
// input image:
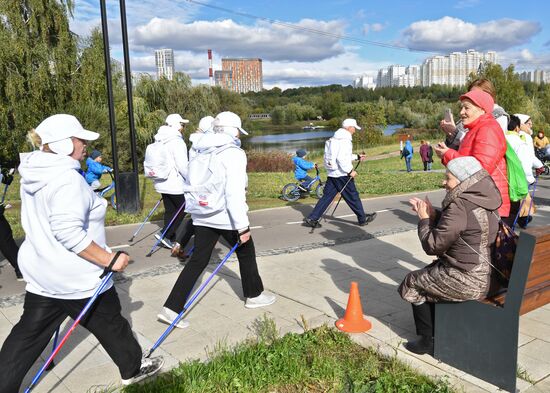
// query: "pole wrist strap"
[[109, 268]]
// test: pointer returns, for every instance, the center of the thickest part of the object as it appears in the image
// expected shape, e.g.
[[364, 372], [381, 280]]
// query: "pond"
[[292, 141]]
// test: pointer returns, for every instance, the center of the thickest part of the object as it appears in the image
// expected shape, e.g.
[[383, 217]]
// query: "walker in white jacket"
[[231, 223]]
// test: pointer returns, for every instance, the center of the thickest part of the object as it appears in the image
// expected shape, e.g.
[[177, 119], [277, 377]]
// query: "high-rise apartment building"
[[536, 76], [454, 69], [224, 79], [398, 75], [364, 82], [240, 75], [164, 60]]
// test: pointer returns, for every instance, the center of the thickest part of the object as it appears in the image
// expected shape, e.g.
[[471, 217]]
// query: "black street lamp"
[[127, 183]]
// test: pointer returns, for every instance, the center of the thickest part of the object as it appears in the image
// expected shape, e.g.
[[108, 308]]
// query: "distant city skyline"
[[315, 43]]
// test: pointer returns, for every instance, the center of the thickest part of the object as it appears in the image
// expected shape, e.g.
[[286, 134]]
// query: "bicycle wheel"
[[113, 201], [290, 192], [320, 190], [546, 170]]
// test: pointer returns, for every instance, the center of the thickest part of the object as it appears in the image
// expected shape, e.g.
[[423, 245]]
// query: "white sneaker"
[[264, 299], [149, 367], [168, 316], [164, 241]]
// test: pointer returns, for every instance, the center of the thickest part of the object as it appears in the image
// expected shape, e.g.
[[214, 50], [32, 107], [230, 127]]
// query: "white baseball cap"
[[205, 124], [350, 123], [57, 130], [175, 120], [229, 119]]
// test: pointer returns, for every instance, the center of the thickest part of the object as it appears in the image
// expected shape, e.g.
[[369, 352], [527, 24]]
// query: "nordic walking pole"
[[55, 337], [165, 230], [531, 203], [107, 274], [190, 302], [146, 218], [345, 185]]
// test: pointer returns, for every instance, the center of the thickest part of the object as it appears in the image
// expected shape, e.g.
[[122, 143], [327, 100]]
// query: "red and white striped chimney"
[[210, 72]]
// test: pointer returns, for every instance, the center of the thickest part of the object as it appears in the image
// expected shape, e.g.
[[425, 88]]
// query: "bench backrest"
[[529, 286]]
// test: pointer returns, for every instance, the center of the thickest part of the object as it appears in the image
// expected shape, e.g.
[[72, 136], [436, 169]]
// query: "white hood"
[[342, 134], [166, 133], [39, 168], [209, 141]]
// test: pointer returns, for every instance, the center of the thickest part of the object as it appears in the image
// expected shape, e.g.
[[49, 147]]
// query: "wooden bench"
[[481, 337]]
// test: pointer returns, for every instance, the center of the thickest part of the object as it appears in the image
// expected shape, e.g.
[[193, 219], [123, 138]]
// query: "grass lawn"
[[376, 178], [320, 360]]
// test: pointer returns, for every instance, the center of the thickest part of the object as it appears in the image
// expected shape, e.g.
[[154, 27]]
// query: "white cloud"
[[374, 27], [527, 55], [342, 69], [524, 59], [453, 34], [265, 40]]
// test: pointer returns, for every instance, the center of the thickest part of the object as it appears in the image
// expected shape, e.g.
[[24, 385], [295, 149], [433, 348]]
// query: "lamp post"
[[127, 186]]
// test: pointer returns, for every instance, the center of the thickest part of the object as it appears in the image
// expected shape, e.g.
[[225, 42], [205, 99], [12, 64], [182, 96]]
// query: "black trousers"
[[8, 247], [171, 205], [41, 317], [185, 232], [205, 240], [424, 315]]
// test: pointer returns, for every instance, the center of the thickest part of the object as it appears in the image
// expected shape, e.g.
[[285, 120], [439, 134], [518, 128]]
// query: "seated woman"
[[461, 236]]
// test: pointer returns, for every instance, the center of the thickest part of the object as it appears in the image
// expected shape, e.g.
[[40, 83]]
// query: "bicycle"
[[103, 191], [544, 158], [293, 191]]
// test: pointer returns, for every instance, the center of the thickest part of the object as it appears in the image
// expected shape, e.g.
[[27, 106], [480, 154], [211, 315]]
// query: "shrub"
[[269, 161]]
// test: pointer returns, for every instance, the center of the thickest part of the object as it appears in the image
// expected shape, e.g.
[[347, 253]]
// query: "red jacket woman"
[[485, 141]]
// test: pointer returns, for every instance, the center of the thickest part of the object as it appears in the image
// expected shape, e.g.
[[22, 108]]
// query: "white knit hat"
[[464, 167]]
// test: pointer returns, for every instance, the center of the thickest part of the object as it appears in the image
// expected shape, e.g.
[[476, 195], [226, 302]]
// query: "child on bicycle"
[[95, 169], [301, 166]]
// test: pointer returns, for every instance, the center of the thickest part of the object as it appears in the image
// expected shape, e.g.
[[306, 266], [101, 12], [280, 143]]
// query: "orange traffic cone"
[[353, 321]]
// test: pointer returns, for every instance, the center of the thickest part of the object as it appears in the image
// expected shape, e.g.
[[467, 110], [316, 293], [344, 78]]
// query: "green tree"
[[509, 89], [331, 105], [37, 59]]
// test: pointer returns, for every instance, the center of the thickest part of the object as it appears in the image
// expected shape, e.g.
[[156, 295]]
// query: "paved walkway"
[[312, 283]]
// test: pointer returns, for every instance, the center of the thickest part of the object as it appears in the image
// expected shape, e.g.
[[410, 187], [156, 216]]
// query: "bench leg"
[[479, 339]]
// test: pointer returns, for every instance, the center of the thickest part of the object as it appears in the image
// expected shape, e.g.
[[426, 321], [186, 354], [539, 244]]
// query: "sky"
[[309, 43]]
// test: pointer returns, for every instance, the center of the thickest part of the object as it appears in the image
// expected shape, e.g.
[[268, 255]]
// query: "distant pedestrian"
[[407, 154], [340, 174], [425, 156], [430, 155]]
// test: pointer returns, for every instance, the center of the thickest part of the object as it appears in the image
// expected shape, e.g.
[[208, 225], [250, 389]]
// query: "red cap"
[[481, 99]]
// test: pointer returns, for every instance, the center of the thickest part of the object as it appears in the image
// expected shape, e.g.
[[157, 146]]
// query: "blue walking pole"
[[146, 218], [55, 337], [107, 274], [165, 230], [190, 302]]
